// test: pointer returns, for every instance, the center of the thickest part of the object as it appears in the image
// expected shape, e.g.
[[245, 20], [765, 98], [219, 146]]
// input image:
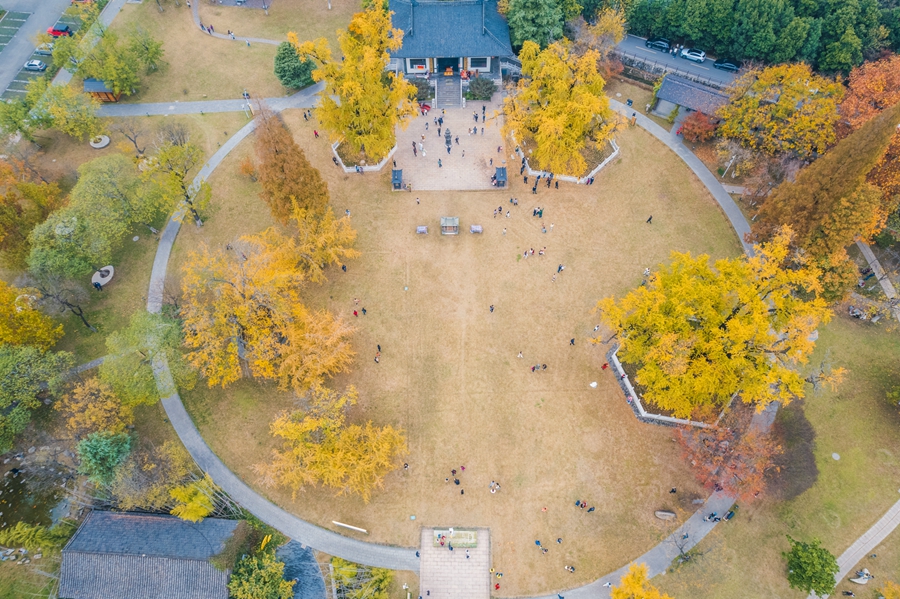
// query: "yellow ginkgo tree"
[[698, 333], [559, 104], [362, 103], [636, 585]]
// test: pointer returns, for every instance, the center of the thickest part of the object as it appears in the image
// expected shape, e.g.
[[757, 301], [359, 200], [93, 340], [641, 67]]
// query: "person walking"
[[559, 268], [650, 220], [440, 164], [492, 308], [316, 133], [571, 341]]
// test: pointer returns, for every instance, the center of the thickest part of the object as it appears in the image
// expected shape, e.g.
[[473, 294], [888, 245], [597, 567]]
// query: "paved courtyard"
[[445, 574], [468, 166]]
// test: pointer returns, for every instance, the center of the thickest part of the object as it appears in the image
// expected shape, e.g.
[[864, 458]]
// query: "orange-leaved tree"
[[783, 108], [90, 407], [21, 323], [321, 448], [699, 333], [362, 104], [636, 585], [243, 314], [872, 87], [284, 172], [830, 204]]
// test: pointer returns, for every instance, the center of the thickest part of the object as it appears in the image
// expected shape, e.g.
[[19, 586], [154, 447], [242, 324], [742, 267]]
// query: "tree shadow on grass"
[[797, 465]]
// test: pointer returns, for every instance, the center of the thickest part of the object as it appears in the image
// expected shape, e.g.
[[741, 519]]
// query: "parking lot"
[[18, 86], [9, 25]]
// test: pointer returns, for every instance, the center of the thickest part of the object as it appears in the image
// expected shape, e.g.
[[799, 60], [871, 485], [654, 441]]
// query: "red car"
[[59, 30]]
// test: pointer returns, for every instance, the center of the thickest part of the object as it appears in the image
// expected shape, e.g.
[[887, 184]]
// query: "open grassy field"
[[308, 19], [198, 66], [834, 500], [449, 373]]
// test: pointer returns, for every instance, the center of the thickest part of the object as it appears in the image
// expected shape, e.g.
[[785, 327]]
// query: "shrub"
[[290, 70], [423, 89], [482, 88], [101, 454], [698, 127], [673, 115]]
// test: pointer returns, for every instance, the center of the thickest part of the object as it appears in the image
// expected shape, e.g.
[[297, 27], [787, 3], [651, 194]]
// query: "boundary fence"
[[654, 69]]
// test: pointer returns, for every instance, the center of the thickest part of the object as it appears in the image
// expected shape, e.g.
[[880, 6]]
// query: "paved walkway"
[[657, 559], [883, 279], [866, 543], [470, 163], [446, 574], [253, 40], [731, 210]]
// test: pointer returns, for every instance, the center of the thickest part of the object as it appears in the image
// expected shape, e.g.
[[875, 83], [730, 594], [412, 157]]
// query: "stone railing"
[[367, 168], [577, 180], [634, 400]]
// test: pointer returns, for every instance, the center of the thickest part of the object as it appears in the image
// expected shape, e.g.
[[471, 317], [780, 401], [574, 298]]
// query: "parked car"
[[693, 54], [728, 64], [35, 65], [660, 43], [59, 30], [45, 49]]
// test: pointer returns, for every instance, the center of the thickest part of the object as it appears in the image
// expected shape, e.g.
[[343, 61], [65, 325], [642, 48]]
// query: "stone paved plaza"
[[468, 166], [445, 574]]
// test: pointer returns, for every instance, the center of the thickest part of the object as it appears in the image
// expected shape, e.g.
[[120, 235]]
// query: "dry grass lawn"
[[198, 66], [840, 499], [449, 373], [309, 20]]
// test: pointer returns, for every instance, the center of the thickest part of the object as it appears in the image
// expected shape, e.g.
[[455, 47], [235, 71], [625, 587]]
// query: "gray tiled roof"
[[96, 85], [691, 94], [447, 29], [143, 556]]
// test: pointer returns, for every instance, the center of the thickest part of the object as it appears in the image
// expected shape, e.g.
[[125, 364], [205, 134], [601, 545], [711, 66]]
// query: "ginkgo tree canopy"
[[700, 332]]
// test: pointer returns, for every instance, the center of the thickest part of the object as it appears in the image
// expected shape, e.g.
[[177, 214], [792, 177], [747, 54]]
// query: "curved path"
[[397, 558]]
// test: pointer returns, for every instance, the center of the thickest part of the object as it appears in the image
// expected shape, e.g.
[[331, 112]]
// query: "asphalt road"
[[634, 46], [44, 13]]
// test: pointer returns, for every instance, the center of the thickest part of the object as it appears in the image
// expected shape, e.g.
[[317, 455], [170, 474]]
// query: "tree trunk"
[[77, 311]]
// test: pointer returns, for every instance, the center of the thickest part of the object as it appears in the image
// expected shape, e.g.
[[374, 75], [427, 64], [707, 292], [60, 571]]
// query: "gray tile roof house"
[[690, 94], [143, 556], [434, 29]]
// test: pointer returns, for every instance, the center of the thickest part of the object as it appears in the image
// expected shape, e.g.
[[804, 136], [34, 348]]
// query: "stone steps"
[[448, 92]]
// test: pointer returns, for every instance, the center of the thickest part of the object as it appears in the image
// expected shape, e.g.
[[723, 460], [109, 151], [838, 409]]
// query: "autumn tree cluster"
[[320, 447], [559, 107], [48, 106], [362, 102], [699, 333]]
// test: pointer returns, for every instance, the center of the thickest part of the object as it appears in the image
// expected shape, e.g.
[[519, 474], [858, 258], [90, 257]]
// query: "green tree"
[[133, 352], [537, 21], [27, 375], [25, 201], [290, 70], [168, 173], [260, 576], [561, 105], [67, 244], [69, 111], [844, 54], [15, 118], [101, 454], [756, 27], [36, 537], [699, 334], [361, 103], [811, 567], [148, 49]]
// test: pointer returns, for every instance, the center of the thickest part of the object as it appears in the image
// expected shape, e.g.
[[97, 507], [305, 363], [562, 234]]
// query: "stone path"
[[883, 279], [446, 574], [866, 543], [731, 210], [457, 171]]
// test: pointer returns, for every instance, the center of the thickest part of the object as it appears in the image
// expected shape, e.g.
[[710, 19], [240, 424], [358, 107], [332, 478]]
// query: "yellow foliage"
[[91, 407], [783, 108], [243, 306], [195, 500], [559, 102], [21, 323], [636, 585], [320, 448], [145, 479], [890, 590], [698, 334], [361, 103]]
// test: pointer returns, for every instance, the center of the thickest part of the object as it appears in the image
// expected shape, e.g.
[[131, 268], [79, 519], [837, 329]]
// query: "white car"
[[693, 54], [35, 65]]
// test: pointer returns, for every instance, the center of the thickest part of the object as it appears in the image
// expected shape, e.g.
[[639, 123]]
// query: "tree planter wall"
[[367, 168], [577, 180]]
